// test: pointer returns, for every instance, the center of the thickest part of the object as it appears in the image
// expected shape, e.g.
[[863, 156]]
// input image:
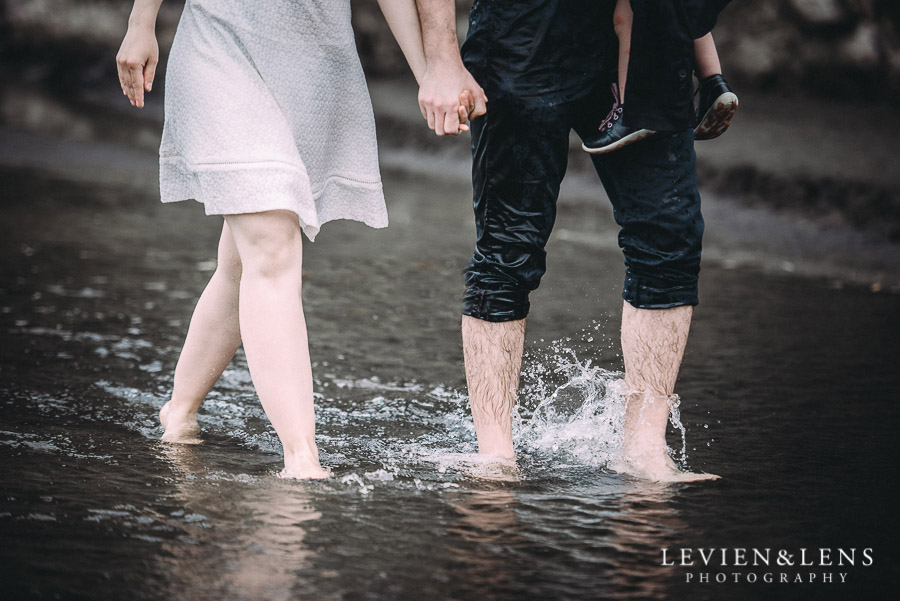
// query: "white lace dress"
[[266, 107]]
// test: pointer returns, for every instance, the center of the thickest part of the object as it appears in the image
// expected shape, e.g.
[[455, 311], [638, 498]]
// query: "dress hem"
[[284, 186]]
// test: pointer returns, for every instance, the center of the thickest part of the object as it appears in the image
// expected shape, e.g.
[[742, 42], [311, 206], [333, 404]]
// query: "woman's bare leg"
[[706, 58], [274, 332], [213, 337], [622, 18]]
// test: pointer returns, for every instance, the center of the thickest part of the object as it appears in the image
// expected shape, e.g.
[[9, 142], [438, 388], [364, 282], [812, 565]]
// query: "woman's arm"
[[403, 18], [139, 54]]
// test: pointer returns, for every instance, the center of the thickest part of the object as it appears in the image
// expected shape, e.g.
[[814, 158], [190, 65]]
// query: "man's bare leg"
[[213, 337], [653, 342], [493, 355]]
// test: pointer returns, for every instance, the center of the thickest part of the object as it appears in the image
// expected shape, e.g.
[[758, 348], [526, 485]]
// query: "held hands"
[[444, 106], [136, 63]]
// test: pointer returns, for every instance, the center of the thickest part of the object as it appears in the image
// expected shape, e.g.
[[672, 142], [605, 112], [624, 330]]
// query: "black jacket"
[[552, 51], [659, 93]]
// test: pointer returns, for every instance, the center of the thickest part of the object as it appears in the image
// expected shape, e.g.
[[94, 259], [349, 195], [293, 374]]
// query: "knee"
[[661, 290], [271, 249], [498, 290], [622, 18], [273, 257], [230, 268], [496, 305], [664, 275]]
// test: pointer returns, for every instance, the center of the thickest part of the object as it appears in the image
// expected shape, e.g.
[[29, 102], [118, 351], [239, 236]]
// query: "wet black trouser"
[[520, 150]]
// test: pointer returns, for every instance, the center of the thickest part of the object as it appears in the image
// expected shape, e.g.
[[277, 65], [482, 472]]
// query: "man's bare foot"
[[303, 466], [644, 450], [496, 455], [653, 463], [481, 466], [498, 468], [180, 426]]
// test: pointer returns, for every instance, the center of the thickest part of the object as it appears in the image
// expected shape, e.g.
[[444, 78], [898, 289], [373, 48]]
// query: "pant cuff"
[[495, 305], [651, 293]]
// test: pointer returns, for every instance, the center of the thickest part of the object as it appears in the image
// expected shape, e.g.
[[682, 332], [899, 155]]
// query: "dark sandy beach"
[[788, 391]]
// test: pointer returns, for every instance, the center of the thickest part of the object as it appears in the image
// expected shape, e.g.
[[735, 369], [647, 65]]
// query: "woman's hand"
[[466, 110], [136, 62], [440, 102]]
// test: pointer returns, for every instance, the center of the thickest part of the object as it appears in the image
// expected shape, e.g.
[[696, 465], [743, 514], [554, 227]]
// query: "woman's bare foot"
[[180, 426], [303, 466]]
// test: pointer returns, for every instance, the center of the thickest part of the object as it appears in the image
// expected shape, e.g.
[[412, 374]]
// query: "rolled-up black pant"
[[520, 150]]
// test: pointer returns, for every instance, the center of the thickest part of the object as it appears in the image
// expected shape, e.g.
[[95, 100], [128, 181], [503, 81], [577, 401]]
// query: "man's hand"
[[445, 79], [448, 96]]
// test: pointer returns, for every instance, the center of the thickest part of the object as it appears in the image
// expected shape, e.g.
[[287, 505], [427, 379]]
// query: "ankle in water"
[[303, 466], [179, 425], [495, 438], [645, 452]]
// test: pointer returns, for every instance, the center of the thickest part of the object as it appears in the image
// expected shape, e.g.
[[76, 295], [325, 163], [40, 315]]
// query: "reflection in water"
[[245, 538], [528, 544], [645, 523], [92, 311], [487, 529]]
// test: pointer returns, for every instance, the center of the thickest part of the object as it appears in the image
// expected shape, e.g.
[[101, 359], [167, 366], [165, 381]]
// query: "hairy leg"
[[653, 343], [274, 332], [706, 58], [622, 19], [493, 356], [213, 336]]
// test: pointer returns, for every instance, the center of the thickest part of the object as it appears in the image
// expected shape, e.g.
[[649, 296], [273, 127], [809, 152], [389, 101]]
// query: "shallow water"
[[789, 391]]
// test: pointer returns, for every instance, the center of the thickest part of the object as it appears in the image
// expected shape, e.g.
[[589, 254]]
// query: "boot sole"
[[629, 139], [718, 118]]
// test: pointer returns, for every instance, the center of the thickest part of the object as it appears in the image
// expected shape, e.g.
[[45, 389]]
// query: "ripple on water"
[[414, 435]]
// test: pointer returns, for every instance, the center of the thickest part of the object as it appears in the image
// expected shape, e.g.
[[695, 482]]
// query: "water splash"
[[573, 411], [380, 433], [680, 456], [570, 410], [357, 480]]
